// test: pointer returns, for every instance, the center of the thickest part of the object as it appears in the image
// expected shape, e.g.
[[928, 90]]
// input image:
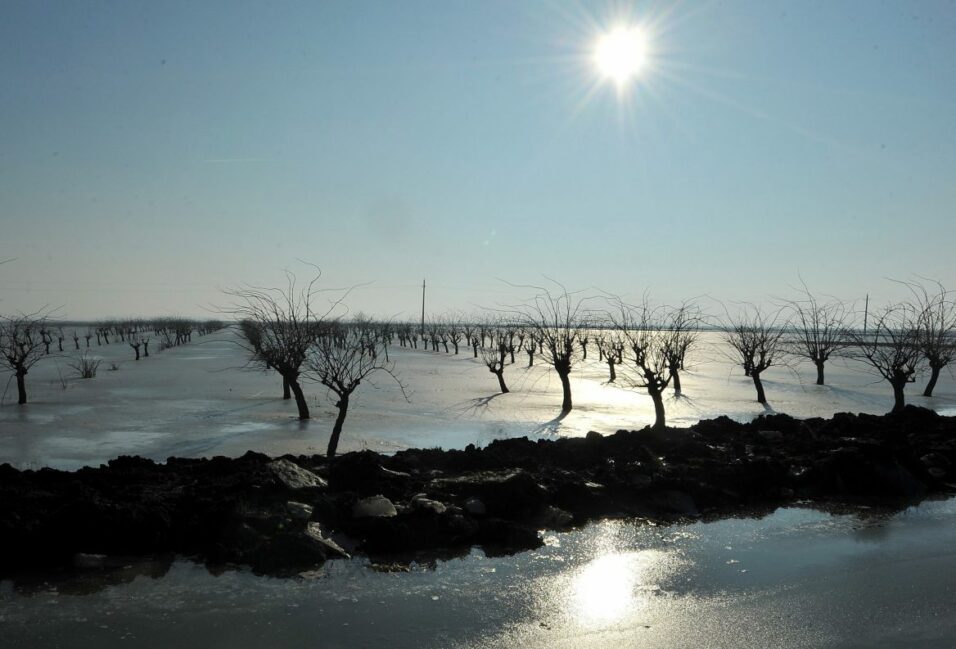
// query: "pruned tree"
[[494, 356], [453, 332], [756, 338], [892, 347], [22, 346], [556, 319], [530, 347], [280, 326], [818, 329], [133, 340], [681, 334], [341, 358], [937, 326], [640, 328], [611, 351]]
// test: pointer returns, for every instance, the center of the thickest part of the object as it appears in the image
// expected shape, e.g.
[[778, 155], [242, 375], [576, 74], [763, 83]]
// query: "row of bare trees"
[[650, 345], [25, 339]]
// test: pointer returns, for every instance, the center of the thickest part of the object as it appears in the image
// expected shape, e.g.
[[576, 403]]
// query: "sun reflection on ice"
[[613, 585]]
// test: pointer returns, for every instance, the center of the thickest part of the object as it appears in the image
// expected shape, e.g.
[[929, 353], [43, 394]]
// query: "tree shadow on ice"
[[477, 405], [550, 427]]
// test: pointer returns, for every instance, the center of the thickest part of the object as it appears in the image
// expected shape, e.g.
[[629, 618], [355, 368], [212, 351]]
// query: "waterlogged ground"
[[797, 578], [198, 400]]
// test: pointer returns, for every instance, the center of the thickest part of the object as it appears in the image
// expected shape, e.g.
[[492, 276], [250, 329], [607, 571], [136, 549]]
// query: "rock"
[[554, 518], [294, 477], [506, 494], [423, 502], [299, 511], [288, 552], [85, 561], [374, 507], [363, 473], [475, 507], [332, 549]]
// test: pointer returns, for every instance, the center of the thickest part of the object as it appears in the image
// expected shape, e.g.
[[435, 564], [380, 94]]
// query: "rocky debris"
[[374, 507], [288, 515], [423, 502], [299, 511], [474, 507], [294, 477]]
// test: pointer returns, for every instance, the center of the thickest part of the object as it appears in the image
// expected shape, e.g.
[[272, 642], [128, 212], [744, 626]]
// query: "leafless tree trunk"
[[639, 327], [892, 348], [494, 357], [280, 326], [341, 363], [756, 339], [937, 326], [21, 348], [818, 330], [682, 333], [557, 319]]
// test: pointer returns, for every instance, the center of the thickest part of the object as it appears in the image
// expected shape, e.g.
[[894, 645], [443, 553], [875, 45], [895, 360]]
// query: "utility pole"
[[423, 310], [866, 312]]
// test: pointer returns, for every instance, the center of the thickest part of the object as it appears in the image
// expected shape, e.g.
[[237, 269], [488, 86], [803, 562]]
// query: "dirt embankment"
[[285, 515]]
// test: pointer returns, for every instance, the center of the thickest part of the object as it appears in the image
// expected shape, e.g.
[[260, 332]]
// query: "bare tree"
[[611, 350], [22, 346], [892, 347], [818, 329], [280, 326], [557, 320], [340, 359], [682, 335], [530, 347], [493, 356], [756, 338], [133, 340], [937, 325], [639, 326]]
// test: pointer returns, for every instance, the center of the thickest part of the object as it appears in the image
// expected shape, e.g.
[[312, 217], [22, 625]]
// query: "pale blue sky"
[[153, 152]]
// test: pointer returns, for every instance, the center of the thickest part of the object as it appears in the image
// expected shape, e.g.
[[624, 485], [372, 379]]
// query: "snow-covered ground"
[[198, 400]]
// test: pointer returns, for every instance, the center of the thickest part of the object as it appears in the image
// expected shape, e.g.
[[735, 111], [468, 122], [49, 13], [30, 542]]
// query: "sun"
[[621, 54]]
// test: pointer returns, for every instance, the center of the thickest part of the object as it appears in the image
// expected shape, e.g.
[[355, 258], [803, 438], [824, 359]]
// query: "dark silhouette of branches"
[[756, 338], [341, 358], [682, 329], [23, 342], [280, 325], [557, 319], [818, 330], [892, 347], [494, 356], [937, 327], [649, 342]]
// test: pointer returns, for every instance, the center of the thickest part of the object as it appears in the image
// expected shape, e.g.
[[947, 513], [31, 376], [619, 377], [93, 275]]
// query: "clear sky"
[[152, 153]]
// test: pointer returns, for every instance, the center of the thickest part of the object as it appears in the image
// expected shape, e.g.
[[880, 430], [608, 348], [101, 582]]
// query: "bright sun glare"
[[621, 54]]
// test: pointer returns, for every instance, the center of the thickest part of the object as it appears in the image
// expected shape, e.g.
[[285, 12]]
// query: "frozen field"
[[198, 400]]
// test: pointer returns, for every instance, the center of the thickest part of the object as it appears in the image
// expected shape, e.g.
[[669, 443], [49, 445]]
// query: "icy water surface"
[[797, 578]]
